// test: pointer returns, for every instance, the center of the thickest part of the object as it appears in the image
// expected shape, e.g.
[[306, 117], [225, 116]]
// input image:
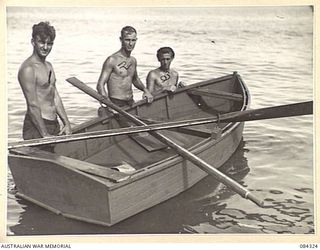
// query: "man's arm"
[[27, 80], [151, 77], [139, 85], [177, 78], [178, 84], [104, 77], [137, 82], [62, 114]]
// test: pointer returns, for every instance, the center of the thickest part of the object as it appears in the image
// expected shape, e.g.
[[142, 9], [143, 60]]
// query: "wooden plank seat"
[[198, 130], [145, 140], [215, 93]]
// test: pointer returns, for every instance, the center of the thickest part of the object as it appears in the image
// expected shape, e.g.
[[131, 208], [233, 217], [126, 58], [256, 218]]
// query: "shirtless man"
[[37, 80], [163, 78], [119, 72]]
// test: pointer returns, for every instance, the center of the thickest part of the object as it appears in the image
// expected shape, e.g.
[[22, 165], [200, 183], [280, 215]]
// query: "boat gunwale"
[[142, 102]]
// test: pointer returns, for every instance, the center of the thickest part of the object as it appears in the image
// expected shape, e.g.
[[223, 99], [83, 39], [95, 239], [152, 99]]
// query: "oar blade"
[[289, 110]]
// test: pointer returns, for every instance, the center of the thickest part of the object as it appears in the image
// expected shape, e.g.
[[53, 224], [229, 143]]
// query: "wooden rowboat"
[[106, 180]]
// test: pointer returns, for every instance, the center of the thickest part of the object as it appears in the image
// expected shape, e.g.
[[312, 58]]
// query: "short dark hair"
[[128, 29], [165, 50], [44, 30]]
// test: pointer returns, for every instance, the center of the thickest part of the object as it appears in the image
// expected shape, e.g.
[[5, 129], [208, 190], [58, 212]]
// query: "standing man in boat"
[[119, 72], [163, 78], [38, 82]]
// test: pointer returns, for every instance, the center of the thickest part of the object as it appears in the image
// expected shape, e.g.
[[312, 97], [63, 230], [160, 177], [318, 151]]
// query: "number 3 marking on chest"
[[165, 77]]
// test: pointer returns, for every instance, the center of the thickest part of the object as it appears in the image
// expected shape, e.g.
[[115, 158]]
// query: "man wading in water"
[[37, 80], [119, 72]]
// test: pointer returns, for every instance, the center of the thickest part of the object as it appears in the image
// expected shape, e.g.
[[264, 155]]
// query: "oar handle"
[[80, 85]]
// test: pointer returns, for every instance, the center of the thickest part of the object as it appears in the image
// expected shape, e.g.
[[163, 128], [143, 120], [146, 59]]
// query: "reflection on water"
[[188, 208], [279, 215], [202, 209], [275, 218]]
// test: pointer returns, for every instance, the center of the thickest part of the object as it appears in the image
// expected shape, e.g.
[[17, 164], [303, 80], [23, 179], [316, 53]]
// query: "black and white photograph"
[[160, 120]]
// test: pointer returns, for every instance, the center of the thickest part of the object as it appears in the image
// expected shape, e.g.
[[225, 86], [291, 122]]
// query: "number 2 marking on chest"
[[124, 65]]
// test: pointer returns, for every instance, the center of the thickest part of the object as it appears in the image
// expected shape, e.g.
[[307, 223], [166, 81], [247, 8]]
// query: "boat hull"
[[173, 177], [57, 181]]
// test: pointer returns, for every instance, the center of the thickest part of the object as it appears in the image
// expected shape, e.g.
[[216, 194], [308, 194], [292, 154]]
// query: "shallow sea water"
[[270, 47]]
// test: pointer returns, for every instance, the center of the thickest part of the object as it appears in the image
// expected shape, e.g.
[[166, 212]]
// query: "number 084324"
[[308, 246]]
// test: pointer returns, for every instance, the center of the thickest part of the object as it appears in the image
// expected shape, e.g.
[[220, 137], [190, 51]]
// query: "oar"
[[180, 150], [295, 109]]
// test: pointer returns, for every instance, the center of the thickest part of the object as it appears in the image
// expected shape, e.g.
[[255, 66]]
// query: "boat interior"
[[142, 149]]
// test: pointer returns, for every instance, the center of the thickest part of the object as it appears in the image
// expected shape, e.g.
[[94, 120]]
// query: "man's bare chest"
[[166, 78], [45, 79]]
